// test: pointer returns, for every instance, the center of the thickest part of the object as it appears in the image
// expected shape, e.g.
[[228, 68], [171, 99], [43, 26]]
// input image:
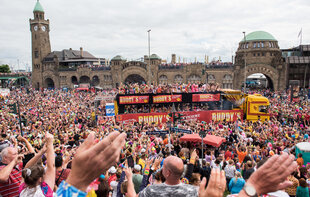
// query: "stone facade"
[[260, 56], [41, 46], [259, 52]]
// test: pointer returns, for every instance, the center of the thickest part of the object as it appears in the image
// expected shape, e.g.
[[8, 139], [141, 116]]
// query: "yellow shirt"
[[91, 193], [142, 163]]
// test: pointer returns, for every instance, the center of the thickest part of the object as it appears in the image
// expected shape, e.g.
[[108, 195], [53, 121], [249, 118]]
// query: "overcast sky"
[[188, 28]]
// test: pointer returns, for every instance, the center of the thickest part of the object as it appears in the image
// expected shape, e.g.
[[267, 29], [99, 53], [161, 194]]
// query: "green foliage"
[[4, 68]]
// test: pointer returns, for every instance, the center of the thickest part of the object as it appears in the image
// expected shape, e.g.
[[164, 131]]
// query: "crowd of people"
[[62, 150], [136, 88]]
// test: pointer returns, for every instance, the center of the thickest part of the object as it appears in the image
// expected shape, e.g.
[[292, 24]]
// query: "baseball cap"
[[137, 167], [112, 170]]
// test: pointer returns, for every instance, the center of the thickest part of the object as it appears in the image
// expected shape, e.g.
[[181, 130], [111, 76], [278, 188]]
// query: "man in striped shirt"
[[10, 172]]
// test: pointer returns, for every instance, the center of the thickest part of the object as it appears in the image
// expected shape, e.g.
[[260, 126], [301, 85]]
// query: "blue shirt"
[[302, 192], [236, 186]]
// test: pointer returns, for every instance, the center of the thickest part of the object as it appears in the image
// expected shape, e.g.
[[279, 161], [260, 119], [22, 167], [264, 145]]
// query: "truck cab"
[[256, 107]]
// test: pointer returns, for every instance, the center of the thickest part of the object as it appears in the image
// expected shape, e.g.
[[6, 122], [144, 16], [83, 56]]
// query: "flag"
[[300, 33]]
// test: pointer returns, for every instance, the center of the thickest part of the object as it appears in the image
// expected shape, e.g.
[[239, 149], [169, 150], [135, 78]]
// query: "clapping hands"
[[91, 159]]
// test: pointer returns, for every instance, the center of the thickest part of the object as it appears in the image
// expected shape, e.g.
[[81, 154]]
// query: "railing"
[[14, 75], [170, 67], [100, 68], [220, 66], [298, 60], [67, 69], [141, 65]]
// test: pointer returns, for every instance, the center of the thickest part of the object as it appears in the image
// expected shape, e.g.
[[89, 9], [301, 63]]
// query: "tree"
[[4, 68]]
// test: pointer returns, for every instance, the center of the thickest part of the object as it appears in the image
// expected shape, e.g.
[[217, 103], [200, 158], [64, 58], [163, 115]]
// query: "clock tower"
[[40, 43]]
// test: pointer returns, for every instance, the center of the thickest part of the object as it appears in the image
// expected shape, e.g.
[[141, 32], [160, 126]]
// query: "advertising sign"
[[133, 99], [110, 111], [228, 115], [158, 118], [205, 97], [167, 98], [157, 132], [147, 118], [177, 130]]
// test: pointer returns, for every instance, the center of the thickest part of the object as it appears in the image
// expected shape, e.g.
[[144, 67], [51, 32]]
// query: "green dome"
[[117, 58], [38, 7], [259, 35], [155, 57]]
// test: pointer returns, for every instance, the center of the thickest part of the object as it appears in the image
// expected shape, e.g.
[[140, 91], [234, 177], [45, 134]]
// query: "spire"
[[38, 7]]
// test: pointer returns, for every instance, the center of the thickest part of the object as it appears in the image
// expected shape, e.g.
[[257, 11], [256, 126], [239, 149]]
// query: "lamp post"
[[149, 63], [244, 60]]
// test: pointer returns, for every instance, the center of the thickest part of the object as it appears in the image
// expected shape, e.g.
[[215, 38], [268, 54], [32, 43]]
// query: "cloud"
[[189, 28]]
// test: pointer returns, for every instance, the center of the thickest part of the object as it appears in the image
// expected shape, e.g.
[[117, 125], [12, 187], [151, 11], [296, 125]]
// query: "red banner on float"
[[205, 97], [147, 118], [158, 118], [133, 99], [167, 98], [228, 115]]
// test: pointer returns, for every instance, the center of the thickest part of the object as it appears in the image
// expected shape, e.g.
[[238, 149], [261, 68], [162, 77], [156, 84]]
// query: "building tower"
[[40, 43]]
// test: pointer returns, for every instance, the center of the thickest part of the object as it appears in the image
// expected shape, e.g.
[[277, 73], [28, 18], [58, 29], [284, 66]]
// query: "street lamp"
[[244, 60], [149, 63]]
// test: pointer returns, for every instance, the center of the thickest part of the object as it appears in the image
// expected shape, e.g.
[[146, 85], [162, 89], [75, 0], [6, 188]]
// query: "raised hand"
[[128, 172], [194, 154], [272, 175], [157, 161], [149, 161], [92, 159], [49, 138], [19, 159], [21, 138], [216, 185]]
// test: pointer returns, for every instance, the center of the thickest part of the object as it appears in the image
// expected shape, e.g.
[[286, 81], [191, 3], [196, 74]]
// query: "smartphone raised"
[[130, 161]]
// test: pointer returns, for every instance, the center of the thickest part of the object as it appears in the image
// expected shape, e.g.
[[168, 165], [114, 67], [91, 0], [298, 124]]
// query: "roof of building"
[[70, 55], [38, 7], [118, 58], [259, 35], [155, 56]]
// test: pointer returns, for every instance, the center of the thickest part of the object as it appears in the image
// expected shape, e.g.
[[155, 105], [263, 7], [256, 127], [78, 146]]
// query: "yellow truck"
[[255, 106]]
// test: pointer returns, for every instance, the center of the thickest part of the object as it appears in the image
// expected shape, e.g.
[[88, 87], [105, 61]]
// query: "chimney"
[[81, 51], [145, 58], [173, 59]]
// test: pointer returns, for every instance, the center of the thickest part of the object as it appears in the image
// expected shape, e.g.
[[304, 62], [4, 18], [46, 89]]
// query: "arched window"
[[74, 80], [178, 79], [211, 78], [227, 81], [95, 80], [163, 79], [194, 79]]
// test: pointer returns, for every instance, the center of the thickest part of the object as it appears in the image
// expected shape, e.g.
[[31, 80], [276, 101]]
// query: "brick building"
[[257, 53]]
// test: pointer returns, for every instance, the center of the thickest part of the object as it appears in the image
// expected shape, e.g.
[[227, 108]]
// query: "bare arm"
[[36, 158], [130, 187], [49, 177], [28, 145], [6, 171], [237, 147]]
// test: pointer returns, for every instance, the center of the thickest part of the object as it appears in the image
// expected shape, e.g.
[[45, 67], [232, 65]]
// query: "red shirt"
[[228, 154], [11, 187], [61, 175], [112, 178]]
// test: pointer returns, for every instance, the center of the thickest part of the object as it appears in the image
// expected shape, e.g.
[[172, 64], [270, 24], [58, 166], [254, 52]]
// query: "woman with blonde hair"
[[236, 184]]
